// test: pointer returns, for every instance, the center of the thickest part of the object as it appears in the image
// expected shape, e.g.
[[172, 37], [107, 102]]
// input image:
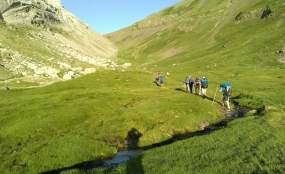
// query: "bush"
[[239, 17], [266, 13]]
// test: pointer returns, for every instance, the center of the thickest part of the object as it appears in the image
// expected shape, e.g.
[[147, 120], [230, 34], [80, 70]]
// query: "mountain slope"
[[195, 25], [236, 41], [43, 42], [239, 41], [65, 126]]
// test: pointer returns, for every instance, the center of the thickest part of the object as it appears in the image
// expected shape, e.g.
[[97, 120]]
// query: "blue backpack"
[[204, 80], [161, 80], [228, 88], [227, 84]]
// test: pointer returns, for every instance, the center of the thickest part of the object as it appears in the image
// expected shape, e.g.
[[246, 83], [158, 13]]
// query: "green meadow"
[[88, 118]]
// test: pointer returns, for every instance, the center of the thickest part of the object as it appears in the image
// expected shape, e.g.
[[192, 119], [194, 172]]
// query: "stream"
[[125, 155]]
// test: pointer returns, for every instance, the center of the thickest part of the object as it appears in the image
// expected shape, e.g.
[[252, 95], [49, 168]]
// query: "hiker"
[[197, 85], [191, 83], [161, 80], [157, 78], [204, 83], [226, 90], [186, 81]]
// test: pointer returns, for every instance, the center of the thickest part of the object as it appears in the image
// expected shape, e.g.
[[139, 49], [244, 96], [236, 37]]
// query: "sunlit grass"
[[92, 115], [88, 118]]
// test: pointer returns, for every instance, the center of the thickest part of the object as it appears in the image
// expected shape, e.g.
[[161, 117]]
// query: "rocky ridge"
[[43, 43]]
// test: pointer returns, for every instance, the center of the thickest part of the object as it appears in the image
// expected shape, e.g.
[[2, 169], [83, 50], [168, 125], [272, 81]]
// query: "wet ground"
[[119, 158], [235, 113]]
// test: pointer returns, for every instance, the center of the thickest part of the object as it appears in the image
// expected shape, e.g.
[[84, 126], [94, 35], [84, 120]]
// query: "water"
[[125, 155], [119, 158]]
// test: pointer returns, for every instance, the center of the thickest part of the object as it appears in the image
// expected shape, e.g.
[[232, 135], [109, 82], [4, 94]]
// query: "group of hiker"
[[201, 86]]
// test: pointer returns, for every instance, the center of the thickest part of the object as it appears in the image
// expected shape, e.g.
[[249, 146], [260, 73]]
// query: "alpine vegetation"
[[137, 90]]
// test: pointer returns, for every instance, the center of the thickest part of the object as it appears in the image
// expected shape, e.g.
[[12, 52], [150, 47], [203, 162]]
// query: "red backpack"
[[198, 82]]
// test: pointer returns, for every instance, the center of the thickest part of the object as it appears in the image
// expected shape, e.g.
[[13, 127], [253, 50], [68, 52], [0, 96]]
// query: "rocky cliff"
[[42, 42]]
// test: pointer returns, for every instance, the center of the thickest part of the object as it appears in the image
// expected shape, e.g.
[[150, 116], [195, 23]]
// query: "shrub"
[[239, 17], [266, 13]]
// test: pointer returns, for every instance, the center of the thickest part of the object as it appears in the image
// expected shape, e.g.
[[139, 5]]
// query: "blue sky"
[[106, 16]]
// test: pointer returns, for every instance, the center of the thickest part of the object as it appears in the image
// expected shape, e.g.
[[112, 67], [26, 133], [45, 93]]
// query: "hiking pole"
[[215, 95]]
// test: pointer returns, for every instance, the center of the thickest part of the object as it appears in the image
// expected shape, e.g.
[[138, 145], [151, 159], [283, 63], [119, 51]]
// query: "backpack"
[[161, 80], [204, 80], [228, 88], [204, 83], [229, 91], [198, 82]]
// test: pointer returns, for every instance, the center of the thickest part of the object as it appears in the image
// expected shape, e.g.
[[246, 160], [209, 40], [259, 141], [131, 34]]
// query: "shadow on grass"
[[212, 99], [76, 166], [157, 83], [133, 166], [132, 139], [204, 97], [181, 90]]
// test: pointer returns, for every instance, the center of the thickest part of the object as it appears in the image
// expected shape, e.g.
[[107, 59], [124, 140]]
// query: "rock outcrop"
[[47, 41]]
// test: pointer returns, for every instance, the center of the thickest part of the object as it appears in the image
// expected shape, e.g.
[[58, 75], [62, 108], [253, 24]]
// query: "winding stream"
[[125, 155]]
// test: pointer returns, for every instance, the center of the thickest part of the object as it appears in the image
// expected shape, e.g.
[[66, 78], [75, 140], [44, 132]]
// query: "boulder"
[[270, 107], [71, 73], [126, 65], [55, 76], [67, 77], [89, 70], [24, 74]]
